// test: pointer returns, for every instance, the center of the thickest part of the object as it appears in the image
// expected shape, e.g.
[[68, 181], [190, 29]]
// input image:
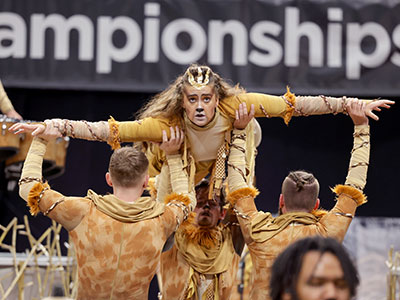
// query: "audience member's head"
[[209, 212], [300, 191], [314, 268]]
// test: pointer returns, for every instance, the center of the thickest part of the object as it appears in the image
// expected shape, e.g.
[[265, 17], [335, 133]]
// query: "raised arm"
[[68, 211], [350, 195], [290, 105]]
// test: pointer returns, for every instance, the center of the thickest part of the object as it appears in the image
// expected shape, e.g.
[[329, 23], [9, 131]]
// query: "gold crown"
[[198, 82]]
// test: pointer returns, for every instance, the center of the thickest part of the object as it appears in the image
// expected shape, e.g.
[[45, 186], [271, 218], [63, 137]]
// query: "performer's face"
[[200, 104], [208, 212], [321, 278]]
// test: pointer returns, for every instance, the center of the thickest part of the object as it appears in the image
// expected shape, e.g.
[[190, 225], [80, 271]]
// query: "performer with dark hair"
[[205, 106], [314, 268], [267, 236], [204, 260], [107, 230]]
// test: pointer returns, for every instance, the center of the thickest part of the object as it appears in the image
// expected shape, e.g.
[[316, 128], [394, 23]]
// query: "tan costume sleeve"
[[179, 179], [285, 106], [350, 195], [112, 132], [68, 211], [241, 197], [5, 103]]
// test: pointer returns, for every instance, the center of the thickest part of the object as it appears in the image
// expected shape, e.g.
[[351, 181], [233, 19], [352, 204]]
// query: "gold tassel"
[[242, 193], [352, 192], [34, 197], [291, 98], [114, 139]]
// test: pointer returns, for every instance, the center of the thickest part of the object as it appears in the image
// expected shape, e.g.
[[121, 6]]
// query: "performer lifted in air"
[[267, 236], [118, 238], [204, 105]]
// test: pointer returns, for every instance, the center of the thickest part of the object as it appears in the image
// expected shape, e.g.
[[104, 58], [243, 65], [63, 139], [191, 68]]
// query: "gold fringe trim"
[[242, 193], [289, 96], [177, 197], [205, 237], [352, 192], [114, 139], [319, 213], [33, 197], [151, 187]]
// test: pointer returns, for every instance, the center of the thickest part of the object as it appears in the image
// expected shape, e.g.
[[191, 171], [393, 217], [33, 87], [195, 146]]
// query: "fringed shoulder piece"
[[177, 197], [35, 195], [290, 100], [242, 193], [357, 195], [114, 139], [319, 213]]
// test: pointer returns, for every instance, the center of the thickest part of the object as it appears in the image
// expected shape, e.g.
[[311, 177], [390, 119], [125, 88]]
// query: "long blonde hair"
[[168, 103]]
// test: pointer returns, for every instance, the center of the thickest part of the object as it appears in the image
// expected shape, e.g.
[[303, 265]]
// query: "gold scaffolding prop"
[[43, 257], [393, 279]]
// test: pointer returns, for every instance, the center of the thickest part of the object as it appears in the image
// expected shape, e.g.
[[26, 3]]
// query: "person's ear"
[[146, 181], [281, 201], [286, 296], [108, 179], [223, 214], [317, 203]]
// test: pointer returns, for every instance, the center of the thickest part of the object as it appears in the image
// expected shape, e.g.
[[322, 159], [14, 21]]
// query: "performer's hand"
[[172, 145], [356, 110], [38, 130], [13, 114], [376, 105], [242, 117]]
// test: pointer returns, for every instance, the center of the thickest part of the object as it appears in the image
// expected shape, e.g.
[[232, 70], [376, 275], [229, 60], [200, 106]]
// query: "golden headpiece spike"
[[198, 82]]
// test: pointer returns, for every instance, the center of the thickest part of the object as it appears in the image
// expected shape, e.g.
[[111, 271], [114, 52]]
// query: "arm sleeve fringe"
[[33, 197], [242, 193], [114, 140], [354, 193], [177, 197], [291, 98]]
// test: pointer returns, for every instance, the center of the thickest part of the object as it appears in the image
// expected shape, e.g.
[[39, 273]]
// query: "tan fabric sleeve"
[[358, 167], [236, 161], [92, 131], [68, 211], [5, 102], [163, 183], [180, 179]]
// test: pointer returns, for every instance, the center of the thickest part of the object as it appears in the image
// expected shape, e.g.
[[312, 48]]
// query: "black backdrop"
[[319, 144]]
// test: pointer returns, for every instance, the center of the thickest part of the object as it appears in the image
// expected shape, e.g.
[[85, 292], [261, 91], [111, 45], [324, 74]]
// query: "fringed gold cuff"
[[290, 100], [242, 193], [357, 195], [114, 139], [177, 197], [35, 195]]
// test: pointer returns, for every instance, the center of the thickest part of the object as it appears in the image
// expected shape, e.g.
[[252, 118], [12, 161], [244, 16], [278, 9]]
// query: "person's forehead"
[[325, 265], [206, 90]]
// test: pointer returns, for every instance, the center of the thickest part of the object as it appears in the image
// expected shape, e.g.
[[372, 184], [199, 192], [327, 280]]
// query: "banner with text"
[[330, 47]]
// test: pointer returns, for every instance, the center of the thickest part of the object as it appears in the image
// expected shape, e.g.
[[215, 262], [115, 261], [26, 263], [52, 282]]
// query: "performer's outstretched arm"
[[350, 195], [290, 105], [68, 211]]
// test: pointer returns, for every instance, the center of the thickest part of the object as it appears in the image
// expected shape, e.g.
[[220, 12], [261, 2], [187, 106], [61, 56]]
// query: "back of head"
[[287, 266], [128, 166], [300, 190]]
